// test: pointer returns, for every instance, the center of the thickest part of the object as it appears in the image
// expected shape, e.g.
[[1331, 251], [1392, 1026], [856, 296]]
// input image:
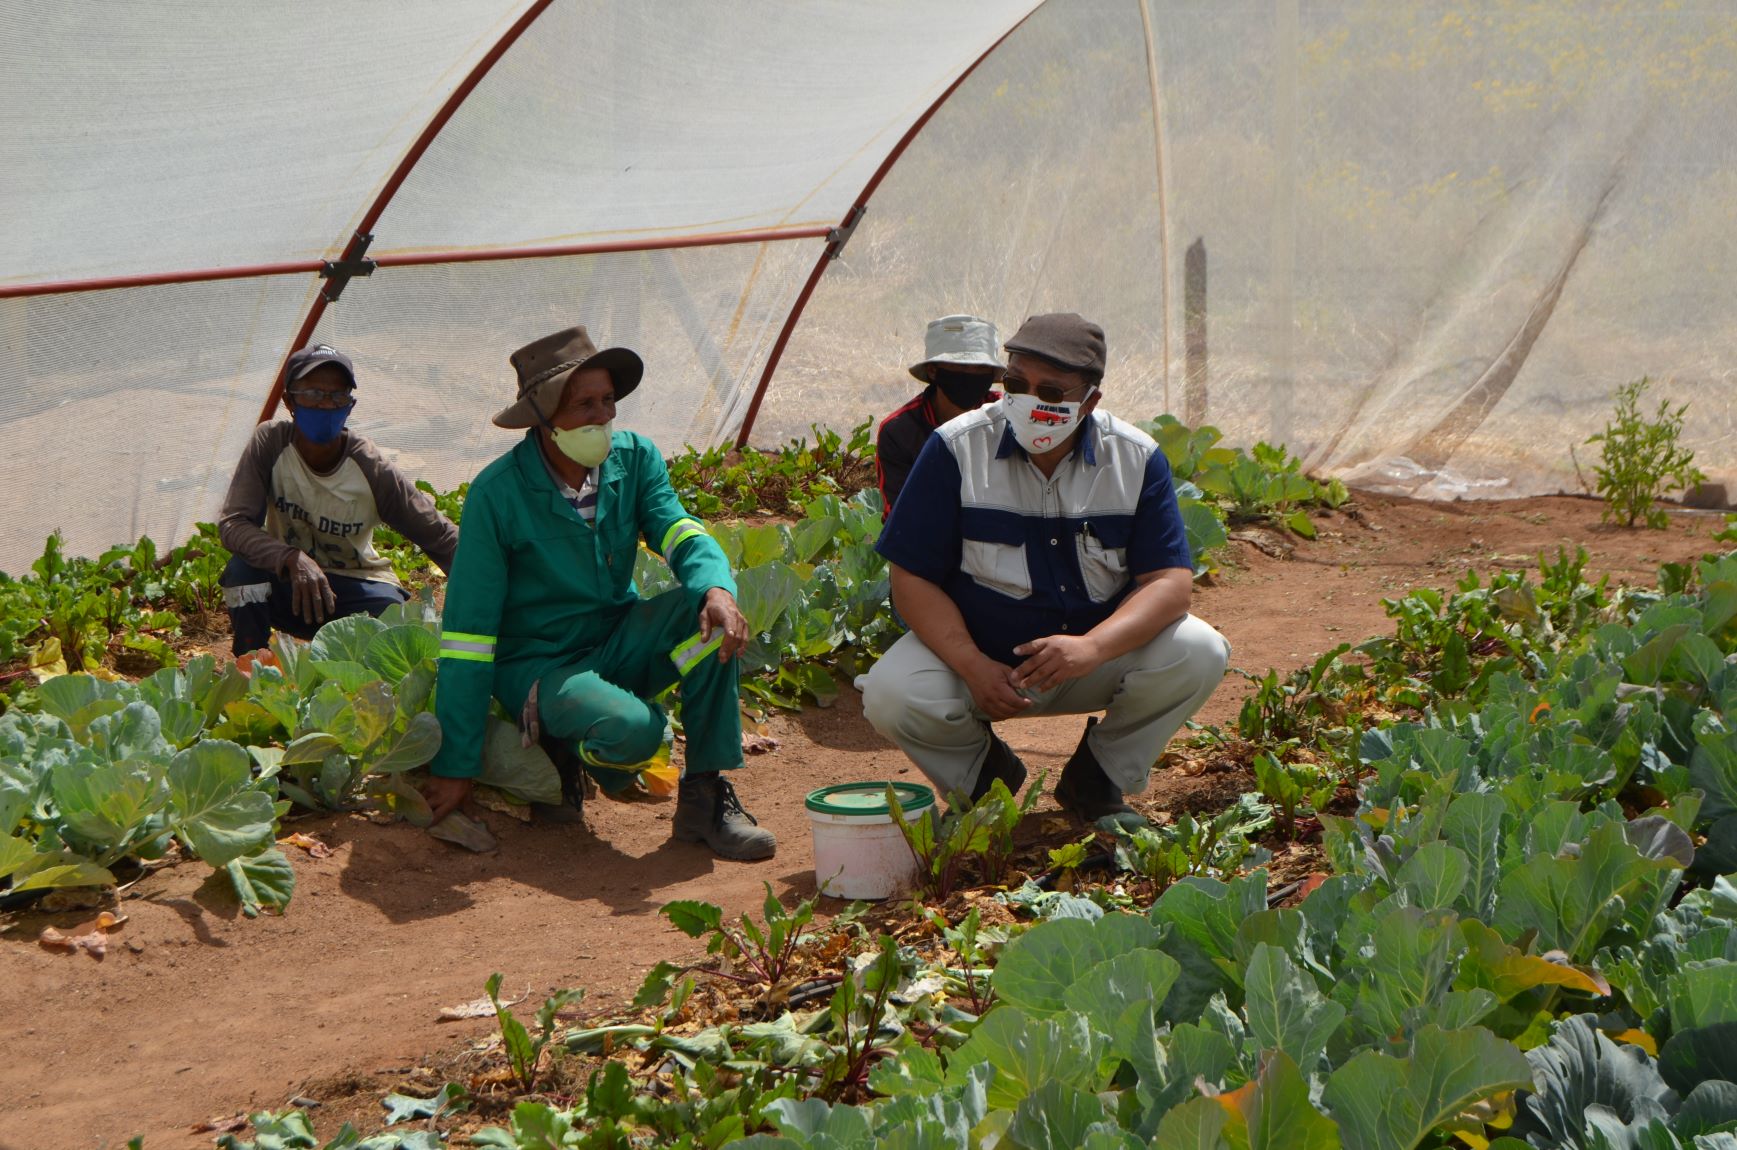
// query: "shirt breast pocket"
[[1103, 568], [1001, 567], [619, 556]]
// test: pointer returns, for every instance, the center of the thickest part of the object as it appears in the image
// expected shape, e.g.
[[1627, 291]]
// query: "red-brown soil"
[[197, 1012]]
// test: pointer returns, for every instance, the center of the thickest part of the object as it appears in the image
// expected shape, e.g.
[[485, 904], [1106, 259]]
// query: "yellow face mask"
[[586, 445]]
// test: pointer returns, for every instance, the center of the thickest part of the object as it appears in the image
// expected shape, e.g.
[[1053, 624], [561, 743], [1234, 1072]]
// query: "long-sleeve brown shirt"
[[278, 505]]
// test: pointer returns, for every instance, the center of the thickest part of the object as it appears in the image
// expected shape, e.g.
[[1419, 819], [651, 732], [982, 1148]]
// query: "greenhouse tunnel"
[[1429, 240]]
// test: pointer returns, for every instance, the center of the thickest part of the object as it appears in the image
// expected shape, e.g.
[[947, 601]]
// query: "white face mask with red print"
[[1040, 426]]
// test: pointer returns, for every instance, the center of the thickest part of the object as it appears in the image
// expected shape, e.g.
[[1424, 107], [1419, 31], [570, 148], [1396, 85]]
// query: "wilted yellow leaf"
[[306, 842], [46, 660], [1638, 1038]]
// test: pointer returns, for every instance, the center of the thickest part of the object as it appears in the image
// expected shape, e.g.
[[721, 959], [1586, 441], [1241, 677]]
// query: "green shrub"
[[1642, 459]]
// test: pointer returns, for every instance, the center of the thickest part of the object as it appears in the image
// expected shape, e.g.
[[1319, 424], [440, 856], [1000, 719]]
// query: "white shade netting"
[[1033, 189], [138, 405], [1434, 237], [1438, 235], [615, 121], [432, 353], [148, 138]]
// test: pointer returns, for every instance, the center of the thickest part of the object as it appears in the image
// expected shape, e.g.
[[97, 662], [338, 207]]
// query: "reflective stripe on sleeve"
[[691, 650], [463, 645], [680, 531]]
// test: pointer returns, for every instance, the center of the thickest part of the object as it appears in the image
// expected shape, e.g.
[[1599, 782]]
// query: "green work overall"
[[540, 597]]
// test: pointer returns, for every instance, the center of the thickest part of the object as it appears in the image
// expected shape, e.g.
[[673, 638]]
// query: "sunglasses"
[[326, 400], [1048, 392]]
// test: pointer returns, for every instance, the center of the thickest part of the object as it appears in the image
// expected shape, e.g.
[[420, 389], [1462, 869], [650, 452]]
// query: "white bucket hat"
[[959, 339]]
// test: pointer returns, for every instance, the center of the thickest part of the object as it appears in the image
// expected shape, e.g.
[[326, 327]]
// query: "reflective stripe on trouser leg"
[[234, 597], [611, 774], [1146, 695], [920, 703], [688, 653], [250, 616], [711, 704]]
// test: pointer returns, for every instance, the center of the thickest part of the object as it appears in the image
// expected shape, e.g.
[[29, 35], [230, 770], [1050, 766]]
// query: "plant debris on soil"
[[206, 1015]]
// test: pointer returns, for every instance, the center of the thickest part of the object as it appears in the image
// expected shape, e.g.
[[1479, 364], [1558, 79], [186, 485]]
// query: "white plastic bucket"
[[858, 849]]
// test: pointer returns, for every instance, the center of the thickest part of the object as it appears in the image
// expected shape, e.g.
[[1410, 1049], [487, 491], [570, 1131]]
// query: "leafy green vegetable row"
[[1529, 940], [1507, 945]]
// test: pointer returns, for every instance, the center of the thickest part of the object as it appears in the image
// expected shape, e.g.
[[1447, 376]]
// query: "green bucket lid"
[[869, 798]]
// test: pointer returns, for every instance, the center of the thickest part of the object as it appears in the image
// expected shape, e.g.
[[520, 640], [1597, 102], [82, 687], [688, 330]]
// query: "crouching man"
[[302, 508], [1039, 557], [541, 610]]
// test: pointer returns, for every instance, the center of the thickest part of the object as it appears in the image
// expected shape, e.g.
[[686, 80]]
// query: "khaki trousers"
[[918, 702]]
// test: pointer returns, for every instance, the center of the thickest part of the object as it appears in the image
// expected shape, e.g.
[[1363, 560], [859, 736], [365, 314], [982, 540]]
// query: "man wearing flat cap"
[[960, 365], [1039, 558], [301, 511], [541, 610]]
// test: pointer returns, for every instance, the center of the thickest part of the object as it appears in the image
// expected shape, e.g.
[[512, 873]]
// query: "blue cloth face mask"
[[321, 425]]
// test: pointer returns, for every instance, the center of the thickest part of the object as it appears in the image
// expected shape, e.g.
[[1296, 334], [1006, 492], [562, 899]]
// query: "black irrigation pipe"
[[13, 899]]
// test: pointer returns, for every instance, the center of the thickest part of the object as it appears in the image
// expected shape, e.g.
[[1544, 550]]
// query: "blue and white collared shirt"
[[1026, 556]]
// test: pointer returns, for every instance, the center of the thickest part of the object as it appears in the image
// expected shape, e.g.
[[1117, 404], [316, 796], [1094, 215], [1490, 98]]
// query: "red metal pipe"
[[354, 247], [664, 243], [157, 279], [856, 209], [412, 259]]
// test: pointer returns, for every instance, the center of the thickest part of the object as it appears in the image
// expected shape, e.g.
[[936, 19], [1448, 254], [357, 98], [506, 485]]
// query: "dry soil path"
[[198, 1012]]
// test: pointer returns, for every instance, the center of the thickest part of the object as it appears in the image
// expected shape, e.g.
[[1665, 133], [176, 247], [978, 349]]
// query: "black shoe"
[[708, 811], [1000, 763], [572, 774], [557, 814], [1084, 790]]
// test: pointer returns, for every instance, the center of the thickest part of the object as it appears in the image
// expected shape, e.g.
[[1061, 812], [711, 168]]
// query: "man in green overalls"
[[542, 613]]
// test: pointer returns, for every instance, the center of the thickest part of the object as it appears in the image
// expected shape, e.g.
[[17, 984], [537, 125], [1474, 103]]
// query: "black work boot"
[[570, 811], [708, 811], [1086, 791], [1000, 763]]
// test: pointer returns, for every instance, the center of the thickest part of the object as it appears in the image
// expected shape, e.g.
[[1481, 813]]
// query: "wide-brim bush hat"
[[544, 366], [960, 340]]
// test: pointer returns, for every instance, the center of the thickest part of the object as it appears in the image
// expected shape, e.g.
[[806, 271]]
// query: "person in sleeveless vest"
[[1039, 558]]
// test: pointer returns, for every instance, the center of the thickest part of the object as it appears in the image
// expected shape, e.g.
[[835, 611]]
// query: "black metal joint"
[[338, 273]]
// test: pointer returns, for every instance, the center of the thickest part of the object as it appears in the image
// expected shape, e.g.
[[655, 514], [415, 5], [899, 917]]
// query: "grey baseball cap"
[[958, 339]]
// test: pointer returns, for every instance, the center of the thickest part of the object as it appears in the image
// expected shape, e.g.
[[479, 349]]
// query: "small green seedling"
[[766, 951], [523, 1051]]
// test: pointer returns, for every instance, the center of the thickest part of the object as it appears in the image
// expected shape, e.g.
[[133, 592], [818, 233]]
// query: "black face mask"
[[963, 389]]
